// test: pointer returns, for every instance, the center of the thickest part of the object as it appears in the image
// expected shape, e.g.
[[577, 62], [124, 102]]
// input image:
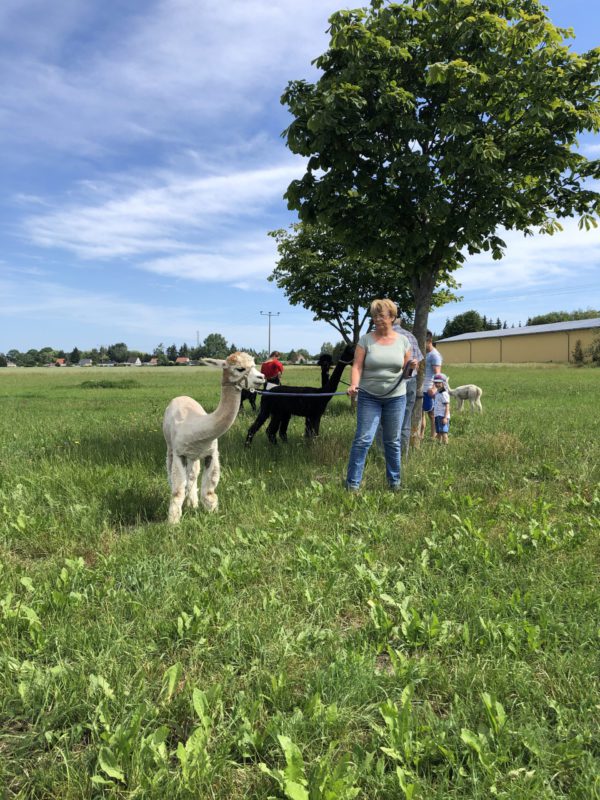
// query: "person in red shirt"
[[272, 368]]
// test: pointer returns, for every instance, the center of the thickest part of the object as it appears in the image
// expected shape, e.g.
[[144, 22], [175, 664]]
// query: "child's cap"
[[439, 379]]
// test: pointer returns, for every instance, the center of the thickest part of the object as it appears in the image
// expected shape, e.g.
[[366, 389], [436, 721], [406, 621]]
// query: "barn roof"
[[553, 327]]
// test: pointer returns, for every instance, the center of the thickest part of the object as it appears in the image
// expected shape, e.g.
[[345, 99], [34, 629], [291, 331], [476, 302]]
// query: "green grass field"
[[301, 643]]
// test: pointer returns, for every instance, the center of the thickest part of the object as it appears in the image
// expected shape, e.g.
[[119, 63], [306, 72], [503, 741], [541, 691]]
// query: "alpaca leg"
[[312, 427], [193, 470], [169, 466], [459, 402], [263, 416], [478, 405], [252, 400], [273, 427], [177, 481], [283, 426], [210, 479]]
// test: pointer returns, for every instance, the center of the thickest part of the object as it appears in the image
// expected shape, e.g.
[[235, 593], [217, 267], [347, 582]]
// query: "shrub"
[[593, 351], [578, 355]]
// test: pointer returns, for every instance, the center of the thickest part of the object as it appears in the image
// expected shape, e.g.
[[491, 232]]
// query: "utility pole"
[[270, 314]]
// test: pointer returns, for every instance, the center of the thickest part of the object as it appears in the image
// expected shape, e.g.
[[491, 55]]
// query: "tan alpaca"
[[468, 392], [192, 435]]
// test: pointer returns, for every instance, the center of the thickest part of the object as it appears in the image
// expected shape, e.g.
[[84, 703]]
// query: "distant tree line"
[[563, 316], [472, 321], [214, 346]]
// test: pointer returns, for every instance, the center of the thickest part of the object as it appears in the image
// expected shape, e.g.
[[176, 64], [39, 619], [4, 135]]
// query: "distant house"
[[60, 362], [10, 364], [133, 362], [86, 362], [182, 361], [297, 358], [153, 362]]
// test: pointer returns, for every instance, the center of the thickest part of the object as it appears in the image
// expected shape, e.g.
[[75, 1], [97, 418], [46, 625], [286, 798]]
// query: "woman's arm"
[[357, 369]]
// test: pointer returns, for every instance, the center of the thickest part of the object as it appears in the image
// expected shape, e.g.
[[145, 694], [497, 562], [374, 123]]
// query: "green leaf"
[[294, 770], [295, 791], [27, 583], [98, 780], [201, 708], [470, 739], [109, 765], [171, 678]]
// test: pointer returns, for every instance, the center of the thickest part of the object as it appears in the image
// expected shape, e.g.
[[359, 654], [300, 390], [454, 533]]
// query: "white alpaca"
[[468, 392], [192, 434]]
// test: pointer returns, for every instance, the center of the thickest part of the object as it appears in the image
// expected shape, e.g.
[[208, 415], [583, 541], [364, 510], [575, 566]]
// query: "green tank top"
[[383, 366]]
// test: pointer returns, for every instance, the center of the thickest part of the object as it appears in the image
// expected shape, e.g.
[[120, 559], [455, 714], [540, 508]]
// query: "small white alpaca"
[[468, 392], [192, 435]]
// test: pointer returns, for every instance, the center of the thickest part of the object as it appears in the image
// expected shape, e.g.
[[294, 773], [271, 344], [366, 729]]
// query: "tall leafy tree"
[[317, 271], [215, 346], [118, 352], [434, 123], [468, 322]]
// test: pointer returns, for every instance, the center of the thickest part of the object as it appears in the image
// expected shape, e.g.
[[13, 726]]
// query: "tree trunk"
[[423, 286]]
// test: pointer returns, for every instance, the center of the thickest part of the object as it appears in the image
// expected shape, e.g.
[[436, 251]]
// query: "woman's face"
[[383, 318]]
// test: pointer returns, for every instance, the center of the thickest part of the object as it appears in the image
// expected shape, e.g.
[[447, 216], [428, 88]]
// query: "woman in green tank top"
[[376, 378]]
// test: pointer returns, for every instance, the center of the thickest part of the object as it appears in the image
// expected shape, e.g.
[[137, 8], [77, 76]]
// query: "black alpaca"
[[281, 409], [325, 361]]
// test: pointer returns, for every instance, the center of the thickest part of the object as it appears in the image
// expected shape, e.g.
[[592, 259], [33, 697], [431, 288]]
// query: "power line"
[[270, 314]]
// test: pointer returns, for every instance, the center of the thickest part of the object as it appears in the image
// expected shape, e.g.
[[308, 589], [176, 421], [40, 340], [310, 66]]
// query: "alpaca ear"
[[213, 362]]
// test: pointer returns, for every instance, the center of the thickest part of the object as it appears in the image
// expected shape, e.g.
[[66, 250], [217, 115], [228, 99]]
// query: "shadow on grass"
[[119, 448], [133, 505]]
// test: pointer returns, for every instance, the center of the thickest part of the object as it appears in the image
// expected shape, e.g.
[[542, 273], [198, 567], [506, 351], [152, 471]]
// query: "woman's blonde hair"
[[383, 306]]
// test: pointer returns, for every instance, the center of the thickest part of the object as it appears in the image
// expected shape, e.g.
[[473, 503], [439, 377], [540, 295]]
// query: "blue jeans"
[[370, 412]]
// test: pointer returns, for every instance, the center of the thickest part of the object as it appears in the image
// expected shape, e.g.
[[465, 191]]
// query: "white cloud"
[[233, 260], [162, 219], [167, 71], [535, 261]]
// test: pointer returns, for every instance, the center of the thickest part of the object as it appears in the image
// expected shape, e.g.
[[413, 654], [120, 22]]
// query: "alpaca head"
[[239, 370], [325, 360], [347, 354]]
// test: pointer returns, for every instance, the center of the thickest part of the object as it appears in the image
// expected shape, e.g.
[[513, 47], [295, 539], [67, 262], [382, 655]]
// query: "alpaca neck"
[[334, 381], [324, 376], [223, 416]]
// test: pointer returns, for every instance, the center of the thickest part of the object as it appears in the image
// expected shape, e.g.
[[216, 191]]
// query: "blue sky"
[[142, 166]]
